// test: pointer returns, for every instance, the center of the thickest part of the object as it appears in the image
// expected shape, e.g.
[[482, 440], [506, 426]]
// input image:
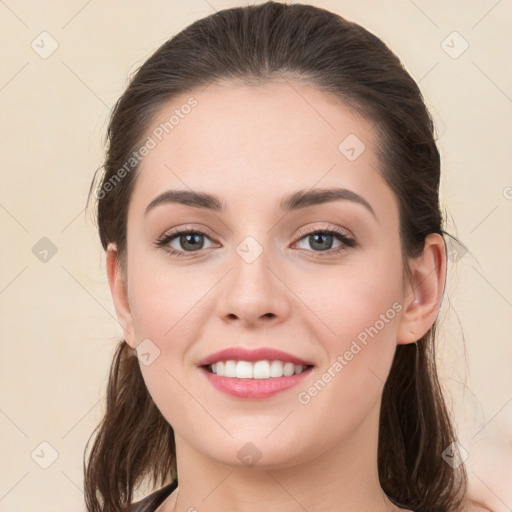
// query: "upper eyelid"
[[302, 233]]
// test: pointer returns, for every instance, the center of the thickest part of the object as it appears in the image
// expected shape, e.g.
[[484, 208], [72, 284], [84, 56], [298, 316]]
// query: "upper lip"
[[259, 354]]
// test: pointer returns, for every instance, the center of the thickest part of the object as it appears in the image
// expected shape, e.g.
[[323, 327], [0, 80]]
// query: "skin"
[[252, 145]]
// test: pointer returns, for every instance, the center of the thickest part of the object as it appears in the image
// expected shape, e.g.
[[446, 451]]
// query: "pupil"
[[185, 240], [321, 237]]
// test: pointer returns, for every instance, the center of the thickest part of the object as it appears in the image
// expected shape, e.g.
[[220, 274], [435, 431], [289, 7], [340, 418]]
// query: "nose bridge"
[[252, 261], [254, 248], [252, 290]]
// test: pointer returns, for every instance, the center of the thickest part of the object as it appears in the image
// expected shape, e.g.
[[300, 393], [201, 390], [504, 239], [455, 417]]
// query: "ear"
[[423, 292], [120, 295]]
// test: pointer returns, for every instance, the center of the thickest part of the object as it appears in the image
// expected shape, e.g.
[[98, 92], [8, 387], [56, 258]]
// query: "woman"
[[270, 213]]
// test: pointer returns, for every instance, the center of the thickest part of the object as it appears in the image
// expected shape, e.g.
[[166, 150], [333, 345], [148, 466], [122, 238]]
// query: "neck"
[[343, 479]]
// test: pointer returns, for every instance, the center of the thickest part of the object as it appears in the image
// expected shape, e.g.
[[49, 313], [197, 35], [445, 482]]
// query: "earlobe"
[[119, 294], [424, 291]]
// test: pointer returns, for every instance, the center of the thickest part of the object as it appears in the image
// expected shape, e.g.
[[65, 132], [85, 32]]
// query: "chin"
[[256, 452]]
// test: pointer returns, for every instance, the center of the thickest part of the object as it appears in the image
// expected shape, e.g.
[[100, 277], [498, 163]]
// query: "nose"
[[254, 293]]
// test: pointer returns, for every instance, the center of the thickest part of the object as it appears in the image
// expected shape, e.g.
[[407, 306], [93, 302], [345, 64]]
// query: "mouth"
[[264, 369], [259, 373]]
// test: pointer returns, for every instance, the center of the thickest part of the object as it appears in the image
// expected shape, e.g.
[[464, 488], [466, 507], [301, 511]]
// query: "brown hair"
[[257, 44]]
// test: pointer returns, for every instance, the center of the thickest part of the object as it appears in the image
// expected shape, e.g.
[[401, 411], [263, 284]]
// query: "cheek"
[[362, 311], [361, 301], [168, 308], [368, 313], [163, 300], [164, 305], [350, 384]]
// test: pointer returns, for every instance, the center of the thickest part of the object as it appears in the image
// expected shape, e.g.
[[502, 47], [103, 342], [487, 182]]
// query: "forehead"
[[252, 143]]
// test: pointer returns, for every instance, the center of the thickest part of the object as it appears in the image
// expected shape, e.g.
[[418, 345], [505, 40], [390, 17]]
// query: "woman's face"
[[256, 278]]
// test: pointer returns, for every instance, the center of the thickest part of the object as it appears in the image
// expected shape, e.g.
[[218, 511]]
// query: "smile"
[[254, 373], [266, 369]]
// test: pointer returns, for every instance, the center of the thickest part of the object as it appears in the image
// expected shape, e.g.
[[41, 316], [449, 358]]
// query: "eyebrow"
[[295, 201]]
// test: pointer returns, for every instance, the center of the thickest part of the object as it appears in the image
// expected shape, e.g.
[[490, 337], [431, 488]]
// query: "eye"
[[321, 241], [190, 240]]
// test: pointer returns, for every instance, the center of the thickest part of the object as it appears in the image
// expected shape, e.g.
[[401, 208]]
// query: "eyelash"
[[340, 235]]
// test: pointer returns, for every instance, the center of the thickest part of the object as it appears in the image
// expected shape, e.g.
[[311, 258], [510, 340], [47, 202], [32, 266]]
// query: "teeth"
[[244, 370], [276, 369], [257, 370], [229, 368], [261, 370], [289, 369], [298, 369]]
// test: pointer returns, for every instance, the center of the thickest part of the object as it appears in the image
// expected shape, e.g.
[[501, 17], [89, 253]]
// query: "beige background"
[[57, 320]]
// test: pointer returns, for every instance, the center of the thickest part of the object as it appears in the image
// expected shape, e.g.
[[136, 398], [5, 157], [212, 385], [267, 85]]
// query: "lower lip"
[[254, 388]]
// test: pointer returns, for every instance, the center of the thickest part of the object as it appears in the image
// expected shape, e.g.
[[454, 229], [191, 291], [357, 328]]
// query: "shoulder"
[[152, 502]]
